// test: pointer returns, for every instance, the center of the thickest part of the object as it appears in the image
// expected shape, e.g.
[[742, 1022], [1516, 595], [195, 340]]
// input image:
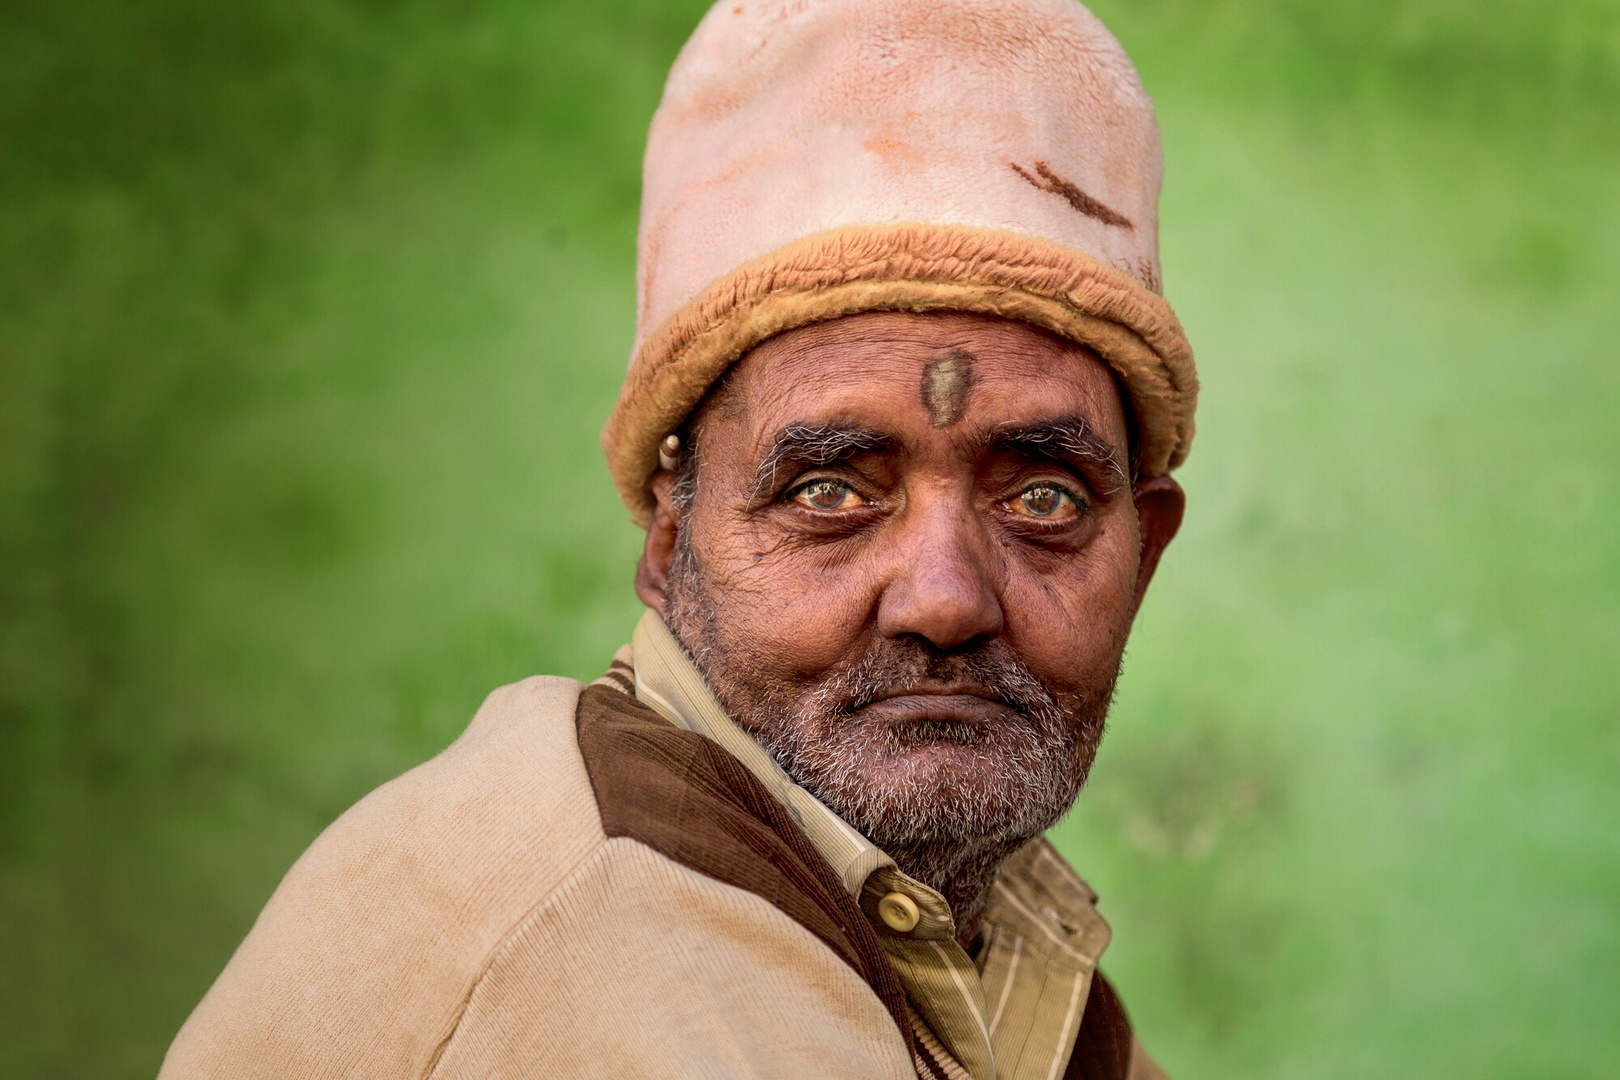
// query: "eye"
[[1044, 502], [827, 495]]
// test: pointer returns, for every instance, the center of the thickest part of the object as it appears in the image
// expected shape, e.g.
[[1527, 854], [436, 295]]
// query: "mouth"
[[973, 705]]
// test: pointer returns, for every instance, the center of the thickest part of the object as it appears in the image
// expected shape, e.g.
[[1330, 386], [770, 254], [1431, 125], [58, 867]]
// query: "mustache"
[[904, 665]]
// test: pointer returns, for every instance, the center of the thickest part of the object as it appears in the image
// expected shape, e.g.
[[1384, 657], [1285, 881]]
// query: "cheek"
[[1068, 617], [795, 611]]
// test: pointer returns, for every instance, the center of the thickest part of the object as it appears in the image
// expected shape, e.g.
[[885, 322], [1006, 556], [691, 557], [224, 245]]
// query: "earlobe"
[[652, 572], [1160, 503]]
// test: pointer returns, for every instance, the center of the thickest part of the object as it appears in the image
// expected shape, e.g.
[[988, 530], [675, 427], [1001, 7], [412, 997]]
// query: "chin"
[[939, 766], [946, 790]]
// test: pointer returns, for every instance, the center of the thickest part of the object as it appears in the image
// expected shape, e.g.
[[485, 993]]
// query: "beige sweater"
[[574, 888], [471, 918]]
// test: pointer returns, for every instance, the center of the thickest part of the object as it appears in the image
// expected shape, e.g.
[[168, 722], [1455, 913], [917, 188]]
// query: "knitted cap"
[[817, 158]]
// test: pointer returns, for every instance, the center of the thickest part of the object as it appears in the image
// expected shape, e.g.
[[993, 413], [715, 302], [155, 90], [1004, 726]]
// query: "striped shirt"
[[1009, 1013]]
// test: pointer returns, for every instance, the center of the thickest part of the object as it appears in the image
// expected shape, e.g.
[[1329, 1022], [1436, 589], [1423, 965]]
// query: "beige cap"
[[817, 158]]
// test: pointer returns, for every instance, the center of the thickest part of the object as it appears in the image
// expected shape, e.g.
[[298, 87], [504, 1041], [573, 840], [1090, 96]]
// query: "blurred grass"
[[309, 313]]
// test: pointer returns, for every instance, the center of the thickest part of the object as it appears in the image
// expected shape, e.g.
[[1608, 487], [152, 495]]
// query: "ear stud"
[[669, 452]]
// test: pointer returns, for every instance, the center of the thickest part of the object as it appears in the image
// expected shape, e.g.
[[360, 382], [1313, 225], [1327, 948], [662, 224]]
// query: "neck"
[[962, 872]]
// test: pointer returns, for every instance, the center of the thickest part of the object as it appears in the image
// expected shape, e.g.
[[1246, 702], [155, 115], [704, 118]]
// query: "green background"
[[310, 311]]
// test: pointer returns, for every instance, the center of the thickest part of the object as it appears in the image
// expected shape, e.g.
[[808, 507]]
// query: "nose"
[[941, 586]]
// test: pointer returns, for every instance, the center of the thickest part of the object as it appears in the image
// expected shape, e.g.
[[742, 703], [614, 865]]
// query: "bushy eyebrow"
[[801, 445], [1065, 436]]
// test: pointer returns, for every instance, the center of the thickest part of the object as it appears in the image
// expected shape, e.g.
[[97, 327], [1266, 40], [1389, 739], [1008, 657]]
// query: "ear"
[[652, 573], [1160, 503]]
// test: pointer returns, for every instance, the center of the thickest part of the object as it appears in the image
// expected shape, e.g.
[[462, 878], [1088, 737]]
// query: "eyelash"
[[792, 494], [1082, 505]]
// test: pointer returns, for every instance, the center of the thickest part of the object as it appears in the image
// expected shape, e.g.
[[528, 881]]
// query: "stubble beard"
[[948, 800]]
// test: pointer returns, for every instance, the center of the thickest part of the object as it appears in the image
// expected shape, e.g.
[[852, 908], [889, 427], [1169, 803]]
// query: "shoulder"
[[474, 917], [705, 917], [382, 928]]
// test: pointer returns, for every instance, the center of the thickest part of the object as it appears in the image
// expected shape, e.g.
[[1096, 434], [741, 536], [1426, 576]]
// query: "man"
[[899, 422]]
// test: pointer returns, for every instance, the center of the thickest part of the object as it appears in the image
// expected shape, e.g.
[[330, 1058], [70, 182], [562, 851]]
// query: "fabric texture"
[[1014, 1010], [1104, 1047], [687, 799], [642, 967], [817, 158]]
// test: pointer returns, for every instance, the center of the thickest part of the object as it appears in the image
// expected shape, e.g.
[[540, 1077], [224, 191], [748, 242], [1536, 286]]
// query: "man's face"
[[910, 563]]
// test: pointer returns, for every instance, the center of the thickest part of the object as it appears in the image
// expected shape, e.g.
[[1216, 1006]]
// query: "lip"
[[947, 690], [931, 705]]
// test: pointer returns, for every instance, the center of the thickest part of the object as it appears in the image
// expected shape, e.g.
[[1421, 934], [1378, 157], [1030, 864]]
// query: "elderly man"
[[899, 422]]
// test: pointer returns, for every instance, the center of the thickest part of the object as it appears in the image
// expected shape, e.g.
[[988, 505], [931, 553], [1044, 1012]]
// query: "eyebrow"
[[1069, 436], [815, 444]]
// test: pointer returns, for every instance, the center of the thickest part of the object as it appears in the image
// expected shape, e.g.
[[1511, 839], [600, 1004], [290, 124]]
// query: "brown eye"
[[827, 495], [1046, 502]]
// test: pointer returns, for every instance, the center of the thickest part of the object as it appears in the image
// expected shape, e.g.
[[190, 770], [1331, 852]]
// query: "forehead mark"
[[946, 384]]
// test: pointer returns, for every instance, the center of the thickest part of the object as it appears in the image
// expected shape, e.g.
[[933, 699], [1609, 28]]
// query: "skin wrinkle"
[[813, 444], [844, 641], [1071, 435]]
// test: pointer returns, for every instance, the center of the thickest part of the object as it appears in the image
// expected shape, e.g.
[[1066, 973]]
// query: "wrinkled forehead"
[[941, 377]]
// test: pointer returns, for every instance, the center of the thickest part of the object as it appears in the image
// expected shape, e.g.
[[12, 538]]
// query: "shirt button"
[[899, 912]]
